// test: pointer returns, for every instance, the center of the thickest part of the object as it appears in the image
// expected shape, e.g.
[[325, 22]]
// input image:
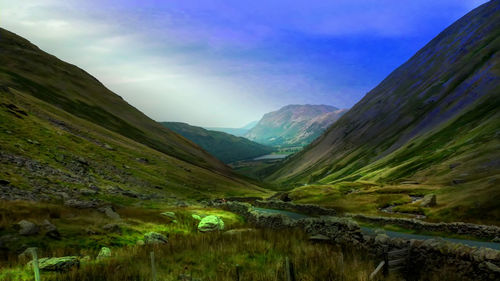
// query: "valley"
[[402, 186]]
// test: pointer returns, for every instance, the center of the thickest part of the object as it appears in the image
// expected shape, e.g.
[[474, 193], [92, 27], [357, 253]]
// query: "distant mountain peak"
[[294, 124]]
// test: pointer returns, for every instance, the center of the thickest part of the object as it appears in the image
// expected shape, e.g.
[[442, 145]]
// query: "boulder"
[[169, 214], [57, 264], [155, 238], [105, 252], [211, 223], [140, 243], [51, 230], [496, 240], [86, 259], [196, 217], [27, 228], [112, 227], [26, 255], [492, 267], [429, 201], [110, 213]]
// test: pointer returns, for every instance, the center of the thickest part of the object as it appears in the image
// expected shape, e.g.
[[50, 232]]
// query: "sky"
[[226, 63]]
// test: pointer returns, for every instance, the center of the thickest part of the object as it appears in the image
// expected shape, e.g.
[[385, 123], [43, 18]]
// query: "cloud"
[[225, 63]]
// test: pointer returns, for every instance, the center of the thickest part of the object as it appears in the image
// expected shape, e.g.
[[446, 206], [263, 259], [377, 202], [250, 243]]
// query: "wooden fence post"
[[36, 269], [377, 270], [153, 269], [238, 272], [289, 270]]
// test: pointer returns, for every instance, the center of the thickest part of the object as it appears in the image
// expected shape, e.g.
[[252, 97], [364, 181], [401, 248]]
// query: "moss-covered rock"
[[211, 223], [196, 217], [155, 238], [104, 253], [169, 214], [57, 264]]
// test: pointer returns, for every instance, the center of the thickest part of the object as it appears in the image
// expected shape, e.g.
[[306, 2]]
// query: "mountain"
[[294, 125], [226, 147], [435, 120], [61, 128], [239, 132]]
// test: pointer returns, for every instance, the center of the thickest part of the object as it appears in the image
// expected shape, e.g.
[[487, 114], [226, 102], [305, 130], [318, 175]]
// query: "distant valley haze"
[[225, 64]]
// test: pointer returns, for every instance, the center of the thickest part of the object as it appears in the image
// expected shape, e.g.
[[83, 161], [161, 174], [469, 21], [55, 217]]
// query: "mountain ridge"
[[294, 125], [226, 147]]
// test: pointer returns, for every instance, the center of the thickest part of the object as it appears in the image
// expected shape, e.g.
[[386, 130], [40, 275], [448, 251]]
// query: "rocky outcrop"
[[476, 230]]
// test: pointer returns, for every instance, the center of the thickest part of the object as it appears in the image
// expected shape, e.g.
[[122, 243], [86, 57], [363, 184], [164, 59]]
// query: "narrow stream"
[[394, 234]]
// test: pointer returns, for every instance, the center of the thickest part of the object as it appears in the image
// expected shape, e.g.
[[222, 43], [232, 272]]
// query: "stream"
[[394, 234]]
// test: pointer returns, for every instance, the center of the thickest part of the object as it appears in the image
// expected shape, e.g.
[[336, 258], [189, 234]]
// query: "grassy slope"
[[28, 69], [226, 147], [59, 147], [434, 120]]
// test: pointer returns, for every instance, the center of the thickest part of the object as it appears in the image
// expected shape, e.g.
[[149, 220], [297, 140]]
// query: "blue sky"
[[226, 63]]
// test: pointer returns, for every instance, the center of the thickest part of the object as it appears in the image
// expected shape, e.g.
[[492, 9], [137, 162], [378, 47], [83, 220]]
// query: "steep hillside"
[[26, 68], [421, 114], [64, 135], [294, 125], [226, 147], [434, 120]]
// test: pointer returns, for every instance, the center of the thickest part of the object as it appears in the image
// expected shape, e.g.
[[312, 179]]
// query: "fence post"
[[153, 269], [289, 270], [238, 272], [36, 269]]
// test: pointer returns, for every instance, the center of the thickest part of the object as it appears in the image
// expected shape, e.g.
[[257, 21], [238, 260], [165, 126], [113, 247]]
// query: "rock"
[[108, 147], [110, 213], [112, 227], [80, 204], [86, 259], [379, 231], [57, 264], [169, 214], [429, 201], [4, 182], [319, 238], [51, 230], [496, 240], [27, 228], [26, 255], [382, 239], [88, 192], [104, 253], [239, 231], [155, 238], [492, 267], [196, 217], [140, 243], [211, 223], [142, 160]]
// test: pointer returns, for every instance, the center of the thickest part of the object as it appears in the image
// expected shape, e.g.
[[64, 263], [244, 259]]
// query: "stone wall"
[[476, 230], [430, 257]]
